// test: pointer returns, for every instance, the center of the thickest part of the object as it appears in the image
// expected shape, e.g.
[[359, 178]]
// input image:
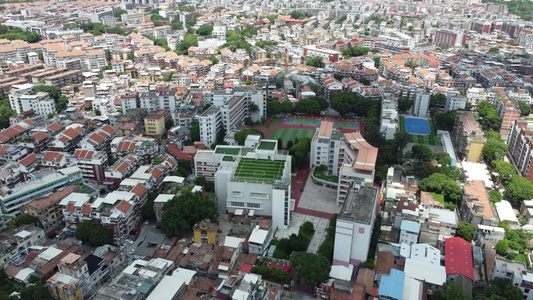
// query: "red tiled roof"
[[53, 156], [124, 206], [178, 153], [139, 190], [28, 160], [86, 209], [55, 127], [156, 172], [39, 136], [83, 154], [458, 257]]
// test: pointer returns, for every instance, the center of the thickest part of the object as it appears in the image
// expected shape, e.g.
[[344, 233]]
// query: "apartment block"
[[349, 157], [520, 145], [467, 137], [508, 114], [47, 209], [421, 106], [65, 79], [91, 163], [154, 125], [354, 226]]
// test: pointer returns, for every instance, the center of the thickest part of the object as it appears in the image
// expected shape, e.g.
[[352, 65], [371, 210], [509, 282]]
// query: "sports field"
[[430, 139], [290, 134], [261, 169]]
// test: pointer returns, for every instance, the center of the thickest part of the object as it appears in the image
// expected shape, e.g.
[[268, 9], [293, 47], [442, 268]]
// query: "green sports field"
[[430, 139], [290, 134], [261, 169]]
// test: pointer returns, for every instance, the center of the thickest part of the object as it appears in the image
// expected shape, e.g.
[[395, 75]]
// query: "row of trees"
[[273, 274], [355, 51], [326, 248], [19, 34], [300, 150], [491, 118], [518, 241], [295, 243], [346, 103]]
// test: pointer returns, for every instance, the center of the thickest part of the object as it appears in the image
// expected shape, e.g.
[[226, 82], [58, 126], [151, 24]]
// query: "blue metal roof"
[[392, 285], [410, 226]]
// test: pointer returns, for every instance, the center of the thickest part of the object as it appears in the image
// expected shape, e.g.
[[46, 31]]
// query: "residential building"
[[508, 114], [154, 125], [145, 149], [450, 38], [159, 97], [64, 287], [520, 146], [467, 137], [514, 271], [210, 125], [409, 231], [354, 226], [525, 38], [240, 186], [48, 211], [389, 118], [454, 101], [16, 92], [92, 164], [475, 207], [205, 232], [65, 79], [421, 106]]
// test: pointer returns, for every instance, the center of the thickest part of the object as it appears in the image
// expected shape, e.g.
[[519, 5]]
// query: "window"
[[237, 194], [259, 195], [236, 203], [253, 205]]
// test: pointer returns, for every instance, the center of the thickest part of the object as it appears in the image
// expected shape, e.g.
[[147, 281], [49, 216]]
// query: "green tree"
[[357, 51], [315, 62], [181, 213], [502, 288], [451, 290], [147, 210], [205, 30], [96, 235], [25, 220], [189, 41], [495, 196], [445, 121], [300, 150], [312, 267], [308, 106], [490, 117], [518, 189], [53, 91], [502, 247], [326, 248], [443, 158], [369, 264], [35, 291], [466, 231], [525, 109], [495, 150], [504, 169], [240, 136], [421, 153], [436, 100], [494, 50], [441, 183], [119, 12], [492, 135], [377, 61], [405, 104]]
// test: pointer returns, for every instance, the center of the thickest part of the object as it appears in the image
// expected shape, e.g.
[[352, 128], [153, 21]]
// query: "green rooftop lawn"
[[259, 169], [230, 151], [266, 145], [86, 190], [438, 197], [227, 158]]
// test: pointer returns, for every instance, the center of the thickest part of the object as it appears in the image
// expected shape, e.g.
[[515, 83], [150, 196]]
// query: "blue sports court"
[[417, 126]]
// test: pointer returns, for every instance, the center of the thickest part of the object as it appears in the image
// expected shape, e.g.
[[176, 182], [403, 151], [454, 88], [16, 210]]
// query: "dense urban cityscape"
[[344, 150]]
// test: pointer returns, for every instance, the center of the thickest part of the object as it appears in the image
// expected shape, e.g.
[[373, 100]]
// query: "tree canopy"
[[445, 121], [525, 109], [5, 113], [53, 91], [421, 153], [25, 220], [518, 189], [96, 235], [315, 62], [308, 106], [182, 213], [312, 267], [240, 136], [443, 158], [300, 15], [405, 104], [466, 231], [451, 290], [495, 150], [491, 118], [441, 183], [357, 51], [351, 103], [300, 150]]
